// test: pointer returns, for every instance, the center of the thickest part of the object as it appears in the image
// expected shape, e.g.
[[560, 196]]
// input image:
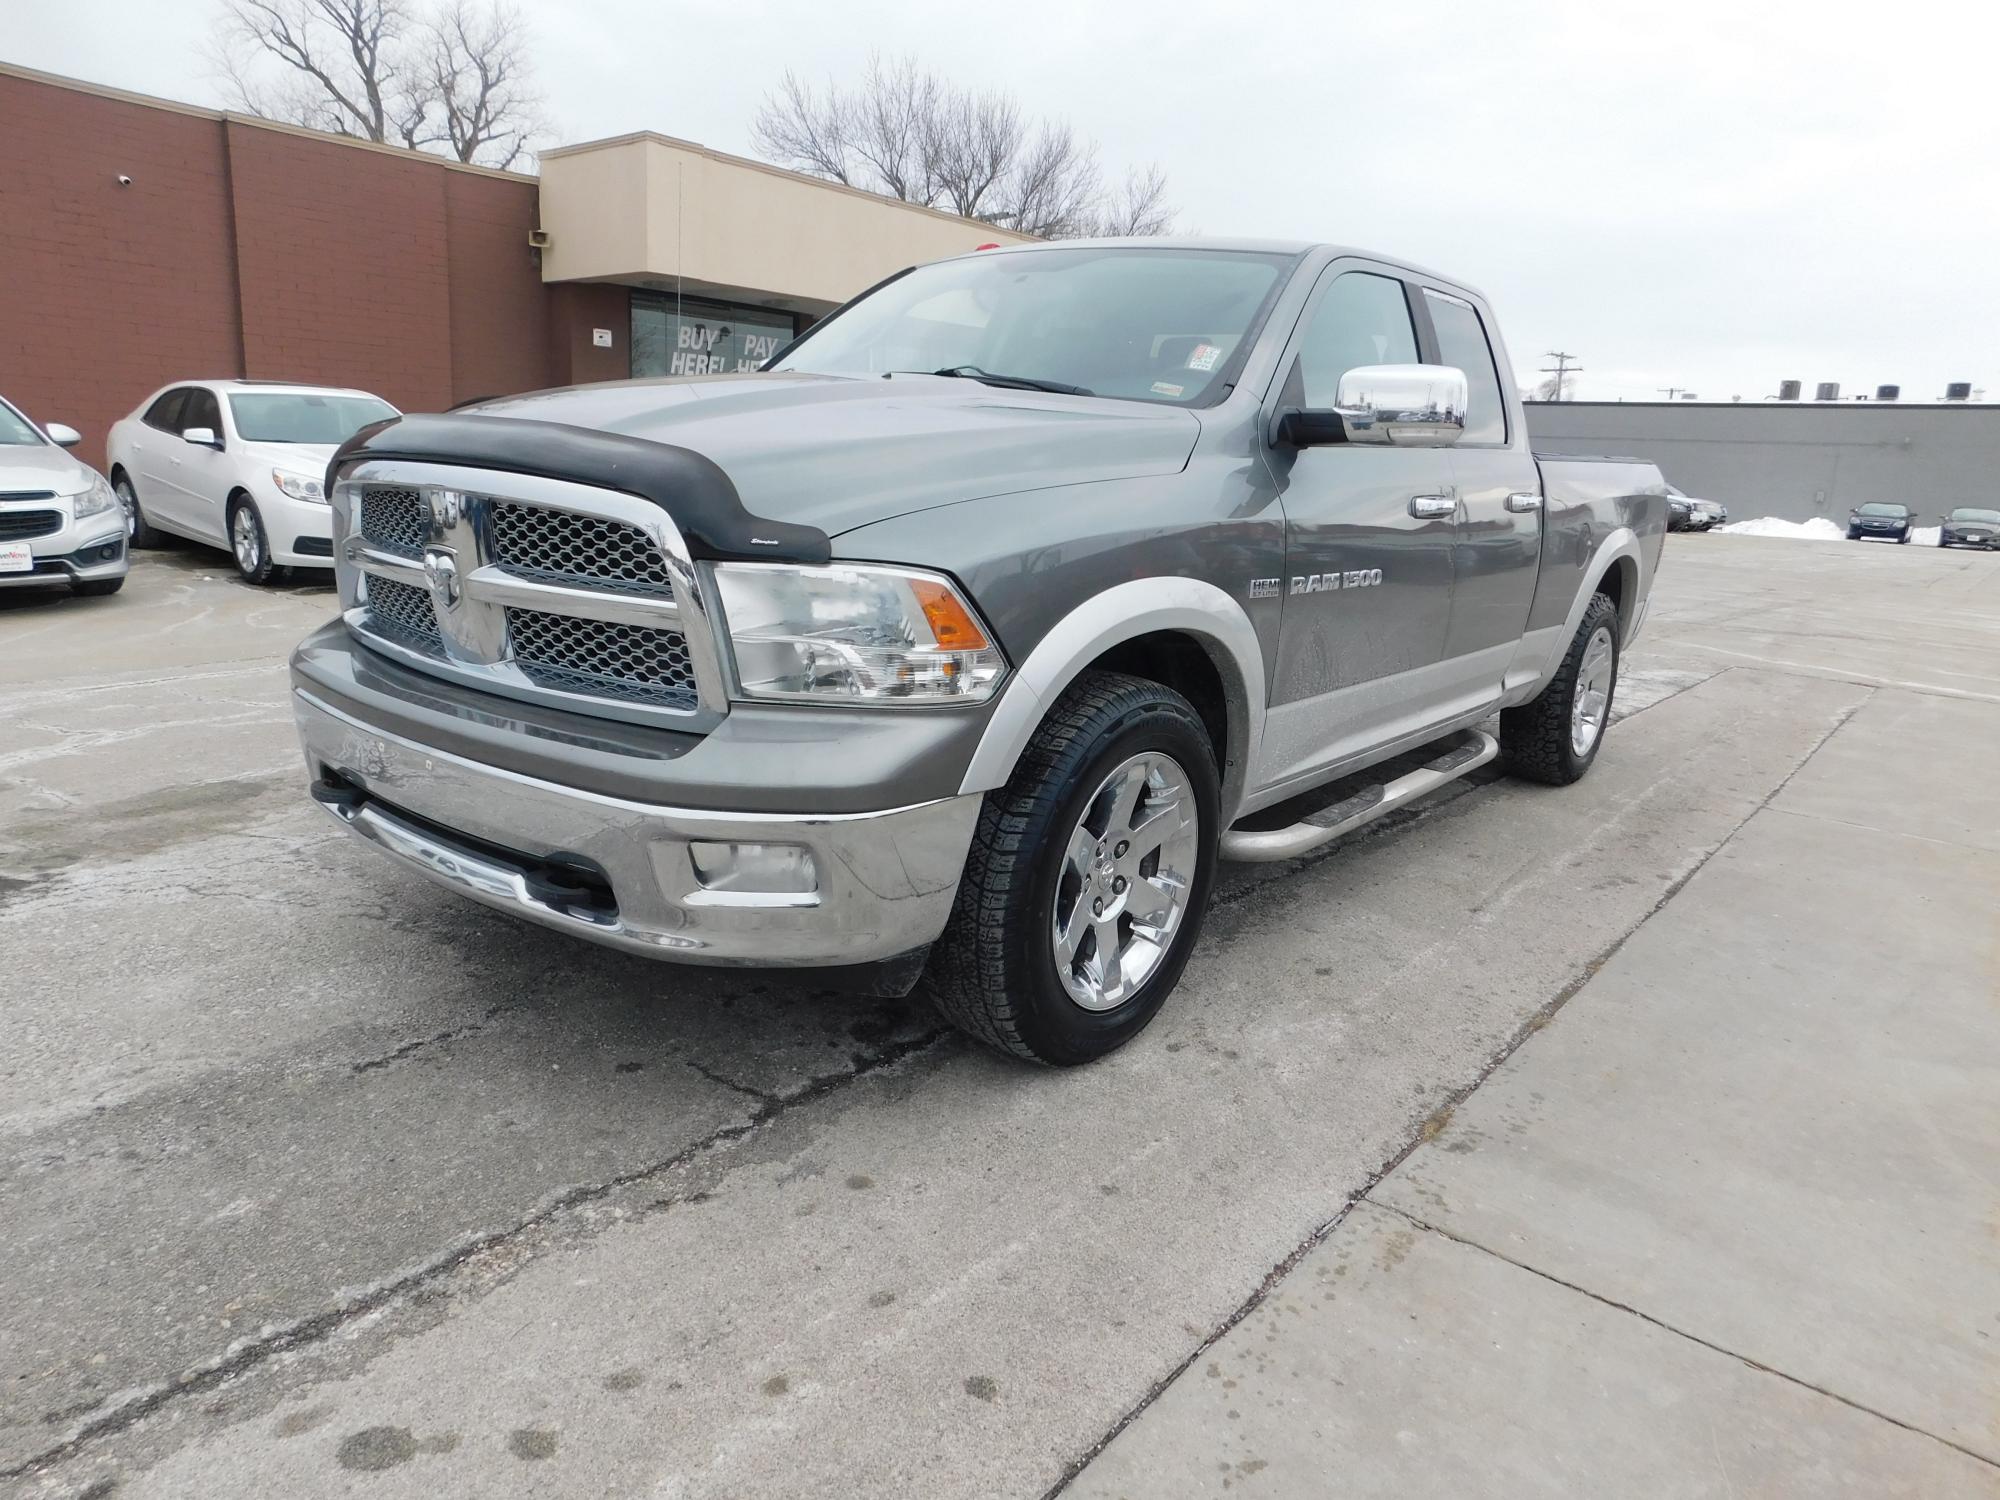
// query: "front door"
[[201, 474], [1369, 534]]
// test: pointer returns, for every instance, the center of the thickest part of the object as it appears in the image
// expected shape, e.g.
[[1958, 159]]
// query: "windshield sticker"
[[1167, 388], [1204, 357]]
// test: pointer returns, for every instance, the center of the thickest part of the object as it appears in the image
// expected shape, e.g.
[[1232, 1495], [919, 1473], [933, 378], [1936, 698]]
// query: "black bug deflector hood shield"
[[691, 488]]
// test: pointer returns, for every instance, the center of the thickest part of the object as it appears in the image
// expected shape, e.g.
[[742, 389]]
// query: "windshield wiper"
[[1013, 382]]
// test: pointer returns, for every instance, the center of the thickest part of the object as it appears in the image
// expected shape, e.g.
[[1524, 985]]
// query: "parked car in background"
[[237, 464], [961, 641], [1970, 526], [59, 521], [1685, 513], [1880, 520]]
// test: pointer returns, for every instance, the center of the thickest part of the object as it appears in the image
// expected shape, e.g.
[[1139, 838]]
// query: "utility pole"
[[1562, 369], [1669, 391]]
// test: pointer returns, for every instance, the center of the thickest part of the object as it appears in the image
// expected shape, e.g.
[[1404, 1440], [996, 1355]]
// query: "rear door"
[[1498, 550], [155, 441], [1368, 545]]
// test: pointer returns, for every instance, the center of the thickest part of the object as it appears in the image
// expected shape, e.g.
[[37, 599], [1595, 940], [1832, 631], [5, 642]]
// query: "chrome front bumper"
[[885, 880]]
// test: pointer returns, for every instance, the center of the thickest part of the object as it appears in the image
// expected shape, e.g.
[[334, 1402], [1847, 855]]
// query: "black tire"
[[1536, 737], [92, 588], [1903, 540], [1854, 536], [259, 568], [137, 532], [993, 974]]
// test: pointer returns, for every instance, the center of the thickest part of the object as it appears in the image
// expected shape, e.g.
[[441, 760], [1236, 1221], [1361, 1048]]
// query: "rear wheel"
[[1087, 878], [249, 543], [1554, 738], [137, 532]]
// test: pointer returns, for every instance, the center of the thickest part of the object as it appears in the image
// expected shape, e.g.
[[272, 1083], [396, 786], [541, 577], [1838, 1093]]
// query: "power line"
[[1562, 369]]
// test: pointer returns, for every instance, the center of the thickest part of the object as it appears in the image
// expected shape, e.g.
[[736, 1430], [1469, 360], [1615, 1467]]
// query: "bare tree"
[[451, 79], [475, 71], [908, 133]]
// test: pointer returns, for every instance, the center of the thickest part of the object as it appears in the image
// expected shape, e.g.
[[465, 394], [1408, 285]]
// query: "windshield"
[[1876, 508], [304, 417], [1967, 513], [1163, 325], [16, 431]]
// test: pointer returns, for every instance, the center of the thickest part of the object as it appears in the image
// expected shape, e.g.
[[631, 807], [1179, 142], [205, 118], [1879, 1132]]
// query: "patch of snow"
[[1925, 536], [1818, 529]]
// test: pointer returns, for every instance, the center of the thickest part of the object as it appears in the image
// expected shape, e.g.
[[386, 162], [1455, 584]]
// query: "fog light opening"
[[754, 869]]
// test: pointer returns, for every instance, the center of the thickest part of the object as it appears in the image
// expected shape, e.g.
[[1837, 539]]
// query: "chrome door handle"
[[1523, 501], [1433, 507]]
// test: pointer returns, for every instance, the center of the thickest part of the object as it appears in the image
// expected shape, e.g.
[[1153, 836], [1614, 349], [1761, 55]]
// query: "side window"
[[165, 413], [1361, 320], [1462, 342], [202, 410]]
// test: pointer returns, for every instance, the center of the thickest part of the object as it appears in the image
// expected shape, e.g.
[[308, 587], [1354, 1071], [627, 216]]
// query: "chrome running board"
[[1473, 750]]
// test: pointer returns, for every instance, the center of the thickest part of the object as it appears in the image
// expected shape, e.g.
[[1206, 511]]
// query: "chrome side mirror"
[[1409, 406], [63, 435], [201, 437]]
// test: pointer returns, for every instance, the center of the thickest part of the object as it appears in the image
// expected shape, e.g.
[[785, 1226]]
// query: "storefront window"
[[703, 338]]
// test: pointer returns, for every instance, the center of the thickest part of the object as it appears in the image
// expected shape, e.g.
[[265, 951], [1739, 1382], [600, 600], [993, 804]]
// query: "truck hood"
[[837, 452], [38, 466]]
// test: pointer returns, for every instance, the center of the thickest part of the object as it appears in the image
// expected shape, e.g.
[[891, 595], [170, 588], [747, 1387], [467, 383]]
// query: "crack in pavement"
[[143, 1401], [470, 1028], [1693, 1338], [1433, 1124]]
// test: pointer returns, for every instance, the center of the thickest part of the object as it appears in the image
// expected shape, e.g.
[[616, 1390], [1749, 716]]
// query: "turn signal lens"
[[954, 628]]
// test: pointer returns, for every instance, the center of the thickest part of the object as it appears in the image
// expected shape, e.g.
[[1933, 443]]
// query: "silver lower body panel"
[[885, 880]]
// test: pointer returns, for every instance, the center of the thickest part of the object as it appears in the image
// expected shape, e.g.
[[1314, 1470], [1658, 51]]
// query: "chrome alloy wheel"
[[244, 538], [1593, 692], [1123, 891]]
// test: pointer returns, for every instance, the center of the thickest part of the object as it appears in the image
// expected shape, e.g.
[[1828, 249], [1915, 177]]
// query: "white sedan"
[[237, 464]]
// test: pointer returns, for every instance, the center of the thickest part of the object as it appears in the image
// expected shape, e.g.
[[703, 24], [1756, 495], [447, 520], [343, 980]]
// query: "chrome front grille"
[[560, 546], [636, 662], [404, 610], [394, 518], [535, 588]]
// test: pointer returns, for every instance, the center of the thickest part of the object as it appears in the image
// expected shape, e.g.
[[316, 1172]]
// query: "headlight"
[[299, 486], [854, 632], [94, 501]]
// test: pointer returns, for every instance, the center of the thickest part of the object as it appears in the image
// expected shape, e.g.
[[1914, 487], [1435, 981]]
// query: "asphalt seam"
[[1433, 1124], [136, 1405], [1679, 1332]]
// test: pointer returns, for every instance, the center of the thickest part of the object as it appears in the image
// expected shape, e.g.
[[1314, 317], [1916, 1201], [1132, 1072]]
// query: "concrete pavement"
[[322, 1182]]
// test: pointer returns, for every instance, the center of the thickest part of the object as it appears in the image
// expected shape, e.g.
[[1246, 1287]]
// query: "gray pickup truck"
[[956, 646]]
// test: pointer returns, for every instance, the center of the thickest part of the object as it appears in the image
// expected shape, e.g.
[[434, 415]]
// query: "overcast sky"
[[1703, 195]]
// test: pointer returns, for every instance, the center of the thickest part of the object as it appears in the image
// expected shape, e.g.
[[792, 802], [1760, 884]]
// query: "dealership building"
[[144, 241]]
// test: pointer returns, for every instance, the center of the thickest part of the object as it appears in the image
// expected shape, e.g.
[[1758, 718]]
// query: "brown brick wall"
[[244, 250], [499, 307], [577, 307], [109, 291]]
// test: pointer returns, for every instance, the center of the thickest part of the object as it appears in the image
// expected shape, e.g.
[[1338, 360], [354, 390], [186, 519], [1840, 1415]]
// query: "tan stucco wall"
[[647, 207]]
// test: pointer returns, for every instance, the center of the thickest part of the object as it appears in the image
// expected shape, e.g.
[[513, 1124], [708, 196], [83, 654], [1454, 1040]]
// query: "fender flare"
[[1144, 606], [1617, 545]]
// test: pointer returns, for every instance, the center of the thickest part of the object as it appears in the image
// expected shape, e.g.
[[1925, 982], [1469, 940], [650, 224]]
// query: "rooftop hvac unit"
[[1958, 390], [1827, 390], [1888, 392], [1788, 390]]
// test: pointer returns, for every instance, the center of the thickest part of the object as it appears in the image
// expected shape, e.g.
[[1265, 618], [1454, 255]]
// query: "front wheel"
[[1087, 878], [94, 588], [1555, 737], [249, 543]]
